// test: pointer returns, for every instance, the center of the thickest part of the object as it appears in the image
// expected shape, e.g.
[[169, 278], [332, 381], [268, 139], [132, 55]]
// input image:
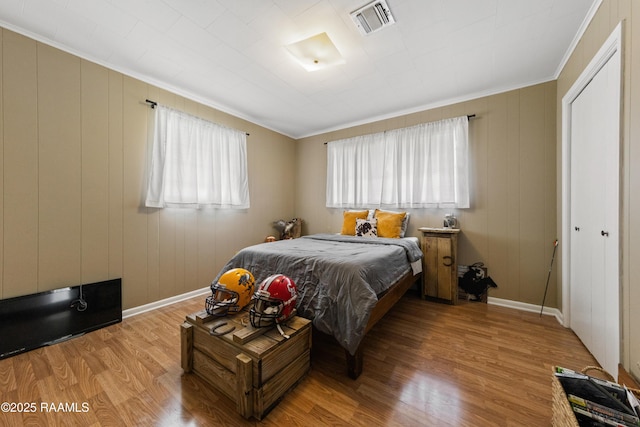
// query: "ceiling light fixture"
[[316, 52]]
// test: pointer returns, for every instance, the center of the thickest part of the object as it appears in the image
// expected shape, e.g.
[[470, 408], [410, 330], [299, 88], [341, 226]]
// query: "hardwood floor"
[[425, 364]]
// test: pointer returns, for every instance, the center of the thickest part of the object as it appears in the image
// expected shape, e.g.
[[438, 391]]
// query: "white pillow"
[[367, 227]]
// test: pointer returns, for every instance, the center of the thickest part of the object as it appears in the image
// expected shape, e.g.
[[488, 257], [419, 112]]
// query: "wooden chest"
[[254, 372]]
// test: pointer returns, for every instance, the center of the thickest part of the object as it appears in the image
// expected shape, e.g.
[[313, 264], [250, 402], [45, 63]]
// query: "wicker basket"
[[562, 414]]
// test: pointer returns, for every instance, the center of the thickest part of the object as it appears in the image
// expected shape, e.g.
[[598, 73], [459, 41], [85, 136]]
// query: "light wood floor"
[[425, 364]]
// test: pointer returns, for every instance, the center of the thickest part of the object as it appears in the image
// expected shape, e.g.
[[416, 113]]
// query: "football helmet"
[[274, 301], [231, 293]]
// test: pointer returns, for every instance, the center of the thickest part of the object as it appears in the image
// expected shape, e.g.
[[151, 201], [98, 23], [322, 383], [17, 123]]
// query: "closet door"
[[581, 292], [595, 178], [610, 226]]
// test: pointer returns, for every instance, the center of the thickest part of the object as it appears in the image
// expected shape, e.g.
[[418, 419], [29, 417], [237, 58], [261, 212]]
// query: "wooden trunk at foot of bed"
[[385, 302], [257, 373]]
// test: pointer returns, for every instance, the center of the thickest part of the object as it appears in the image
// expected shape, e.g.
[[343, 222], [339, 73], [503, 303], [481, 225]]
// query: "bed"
[[345, 283]]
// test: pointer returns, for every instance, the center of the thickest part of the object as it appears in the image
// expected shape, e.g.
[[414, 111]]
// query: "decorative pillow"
[[366, 227], [389, 223], [349, 221], [405, 221]]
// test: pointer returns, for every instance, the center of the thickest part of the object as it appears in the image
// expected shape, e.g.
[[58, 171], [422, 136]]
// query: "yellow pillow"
[[349, 221], [389, 223]]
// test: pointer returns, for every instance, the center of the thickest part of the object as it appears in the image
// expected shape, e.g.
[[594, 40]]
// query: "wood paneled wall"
[[511, 224], [75, 140]]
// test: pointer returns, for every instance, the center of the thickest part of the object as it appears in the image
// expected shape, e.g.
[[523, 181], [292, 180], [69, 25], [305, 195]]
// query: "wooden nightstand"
[[440, 264]]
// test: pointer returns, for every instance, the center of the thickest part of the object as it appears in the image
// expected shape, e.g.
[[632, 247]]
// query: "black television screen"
[[31, 321]]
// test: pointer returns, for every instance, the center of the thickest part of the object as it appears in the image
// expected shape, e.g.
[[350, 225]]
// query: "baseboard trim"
[[164, 302], [516, 305], [523, 306]]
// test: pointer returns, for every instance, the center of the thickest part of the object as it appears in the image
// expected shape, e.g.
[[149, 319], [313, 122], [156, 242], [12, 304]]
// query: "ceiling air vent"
[[373, 17]]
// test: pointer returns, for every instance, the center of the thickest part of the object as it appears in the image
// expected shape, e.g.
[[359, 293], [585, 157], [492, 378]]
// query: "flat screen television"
[[31, 321]]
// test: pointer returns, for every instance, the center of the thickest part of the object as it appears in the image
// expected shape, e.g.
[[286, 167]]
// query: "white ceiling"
[[229, 54]]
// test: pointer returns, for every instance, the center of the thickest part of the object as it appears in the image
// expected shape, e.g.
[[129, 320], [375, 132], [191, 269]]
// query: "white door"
[[595, 180], [580, 219]]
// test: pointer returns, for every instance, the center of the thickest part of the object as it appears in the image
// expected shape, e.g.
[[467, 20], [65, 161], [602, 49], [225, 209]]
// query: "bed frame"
[[385, 302]]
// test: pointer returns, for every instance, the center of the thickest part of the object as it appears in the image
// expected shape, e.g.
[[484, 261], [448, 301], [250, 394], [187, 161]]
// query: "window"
[[423, 166], [196, 163]]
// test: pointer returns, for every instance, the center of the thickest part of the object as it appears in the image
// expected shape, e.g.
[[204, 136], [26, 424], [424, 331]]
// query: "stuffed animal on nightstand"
[[290, 229]]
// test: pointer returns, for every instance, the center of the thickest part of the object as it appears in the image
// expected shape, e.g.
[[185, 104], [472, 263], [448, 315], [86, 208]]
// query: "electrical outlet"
[[638, 364]]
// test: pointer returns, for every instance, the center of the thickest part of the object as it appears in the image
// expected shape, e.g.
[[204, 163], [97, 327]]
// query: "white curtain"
[[355, 171], [196, 163], [422, 166]]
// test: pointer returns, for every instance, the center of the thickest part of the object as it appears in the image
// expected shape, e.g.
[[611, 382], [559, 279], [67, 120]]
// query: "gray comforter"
[[338, 277]]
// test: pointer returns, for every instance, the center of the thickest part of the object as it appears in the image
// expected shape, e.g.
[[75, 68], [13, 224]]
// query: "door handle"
[[604, 233], [576, 228], [450, 258]]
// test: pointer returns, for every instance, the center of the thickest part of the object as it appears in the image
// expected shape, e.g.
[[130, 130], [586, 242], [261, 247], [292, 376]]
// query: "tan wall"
[[610, 13], [511, 225], [74, 140]]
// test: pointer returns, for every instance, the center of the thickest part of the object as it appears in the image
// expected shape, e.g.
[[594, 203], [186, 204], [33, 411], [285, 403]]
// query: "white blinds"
[[422, 166], [196, 163]]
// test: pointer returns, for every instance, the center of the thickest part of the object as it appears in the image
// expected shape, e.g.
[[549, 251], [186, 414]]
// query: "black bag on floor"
[[474, 282]]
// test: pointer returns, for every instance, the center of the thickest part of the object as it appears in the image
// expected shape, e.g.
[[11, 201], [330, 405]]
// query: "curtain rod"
[[154, 104], [469, 117]]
